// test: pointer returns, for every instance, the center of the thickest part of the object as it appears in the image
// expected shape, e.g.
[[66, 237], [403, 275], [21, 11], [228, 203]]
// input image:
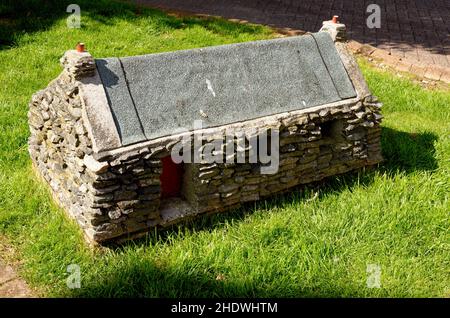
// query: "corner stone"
[[94, 165]]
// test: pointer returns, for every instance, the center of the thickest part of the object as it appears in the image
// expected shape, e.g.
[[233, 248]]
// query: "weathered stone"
[[248, 188], [239, 179], [228, 187], [208, 174], [288, 148], [287, 179], [152, 197], [149, 189], [324, 112], [207, 167], [124, 205], [248, 197], [114, 214], [227, 195], [103, 198], [105, 190], [356, 136], [227, 172], [124, 195], [148, 182], [94, 165], [288, 161]]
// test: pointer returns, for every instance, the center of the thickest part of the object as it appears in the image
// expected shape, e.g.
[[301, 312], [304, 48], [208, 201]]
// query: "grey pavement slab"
[[11, 285]]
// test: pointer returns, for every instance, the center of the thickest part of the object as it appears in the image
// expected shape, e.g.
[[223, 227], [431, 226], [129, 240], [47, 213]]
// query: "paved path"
[[418, 30], [12, 286]]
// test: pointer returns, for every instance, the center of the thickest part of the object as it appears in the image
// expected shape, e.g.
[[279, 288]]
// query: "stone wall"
[[99, 195], [313, 146], [116, 195], [59, 142]]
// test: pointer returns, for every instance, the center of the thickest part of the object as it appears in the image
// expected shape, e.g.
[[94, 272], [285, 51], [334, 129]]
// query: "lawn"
[[315, 243]]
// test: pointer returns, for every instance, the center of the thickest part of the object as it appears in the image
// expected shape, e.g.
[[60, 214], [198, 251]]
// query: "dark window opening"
[[332, 129]]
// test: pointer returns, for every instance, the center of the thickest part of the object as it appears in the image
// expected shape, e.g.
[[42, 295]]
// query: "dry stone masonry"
[[102, 132]]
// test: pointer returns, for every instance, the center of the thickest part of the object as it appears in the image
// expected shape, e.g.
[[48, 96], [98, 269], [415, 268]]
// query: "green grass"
[[317, 243]]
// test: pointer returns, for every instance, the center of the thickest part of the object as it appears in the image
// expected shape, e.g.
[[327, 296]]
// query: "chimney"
[[336, 29], [78, 63]]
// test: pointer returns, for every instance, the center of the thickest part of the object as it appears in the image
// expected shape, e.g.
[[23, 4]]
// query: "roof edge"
[[275, 118], [97, 115], [353, 70]]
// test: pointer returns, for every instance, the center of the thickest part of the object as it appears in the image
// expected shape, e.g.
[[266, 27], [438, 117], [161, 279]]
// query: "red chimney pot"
[[80, 47]]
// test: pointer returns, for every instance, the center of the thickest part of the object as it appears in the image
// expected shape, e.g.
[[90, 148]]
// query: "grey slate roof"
[[150, 96]]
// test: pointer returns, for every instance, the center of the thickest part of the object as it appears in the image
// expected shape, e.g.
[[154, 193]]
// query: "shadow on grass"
[[403, 153], [408, 152], [18, 18], [145, 280]]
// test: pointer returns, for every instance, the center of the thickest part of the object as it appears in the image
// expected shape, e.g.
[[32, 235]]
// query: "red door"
[[171, 178]]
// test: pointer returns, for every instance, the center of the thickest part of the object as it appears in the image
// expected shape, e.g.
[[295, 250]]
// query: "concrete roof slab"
[[155, 95]]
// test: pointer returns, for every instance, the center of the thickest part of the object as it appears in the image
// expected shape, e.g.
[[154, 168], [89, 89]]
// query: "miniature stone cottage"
[[103, 132]]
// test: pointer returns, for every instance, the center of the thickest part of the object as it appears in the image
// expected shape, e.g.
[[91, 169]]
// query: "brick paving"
[[416, 30]]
